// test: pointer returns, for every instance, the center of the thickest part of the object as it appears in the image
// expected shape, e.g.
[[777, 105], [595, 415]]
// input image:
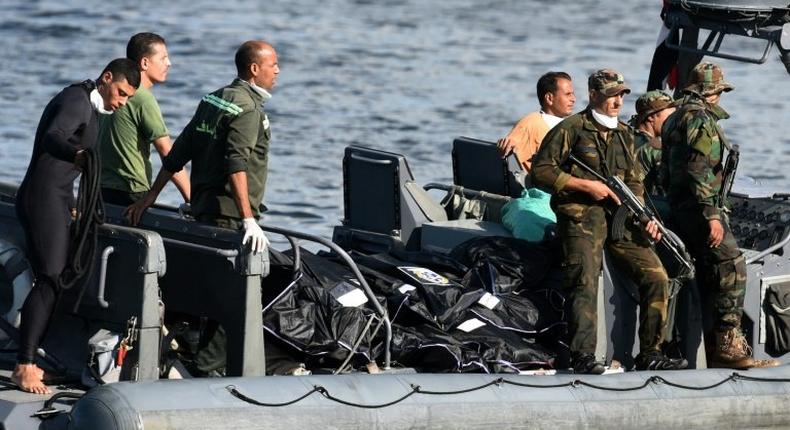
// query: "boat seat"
[[443, 236], [477, 165], [381, 201]]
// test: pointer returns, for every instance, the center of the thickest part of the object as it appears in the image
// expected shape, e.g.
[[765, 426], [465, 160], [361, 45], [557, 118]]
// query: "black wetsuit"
[[43, 205]]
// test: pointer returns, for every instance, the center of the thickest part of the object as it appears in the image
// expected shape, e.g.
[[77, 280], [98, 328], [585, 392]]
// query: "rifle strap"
[[724, 141]]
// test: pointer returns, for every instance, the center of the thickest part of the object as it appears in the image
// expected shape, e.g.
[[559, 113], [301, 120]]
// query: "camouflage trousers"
[[721, 271], [583, 238]]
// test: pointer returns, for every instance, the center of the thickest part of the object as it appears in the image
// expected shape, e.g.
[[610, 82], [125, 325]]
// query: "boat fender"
[[17, 269]]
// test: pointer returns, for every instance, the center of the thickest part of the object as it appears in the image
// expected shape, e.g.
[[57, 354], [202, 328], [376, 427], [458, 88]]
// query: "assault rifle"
[[728, 174], [643, 214]]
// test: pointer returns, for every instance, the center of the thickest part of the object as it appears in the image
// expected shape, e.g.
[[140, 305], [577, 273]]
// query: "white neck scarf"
[[550, 119], [609, 122], [98, 102], [260, 90]]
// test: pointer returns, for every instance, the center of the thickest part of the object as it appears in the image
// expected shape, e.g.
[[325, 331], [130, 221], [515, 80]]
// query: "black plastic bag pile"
[[492, 306]]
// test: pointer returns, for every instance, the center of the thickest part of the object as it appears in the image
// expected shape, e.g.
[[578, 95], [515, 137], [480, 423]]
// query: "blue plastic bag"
[[528, 216]]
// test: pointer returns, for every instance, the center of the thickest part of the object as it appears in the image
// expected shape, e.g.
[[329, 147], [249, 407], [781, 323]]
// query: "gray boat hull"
[[209, 404]]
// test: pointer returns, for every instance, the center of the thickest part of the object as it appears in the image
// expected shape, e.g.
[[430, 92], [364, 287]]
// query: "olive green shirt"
[[229, 133], [612, 155], [125, 139]]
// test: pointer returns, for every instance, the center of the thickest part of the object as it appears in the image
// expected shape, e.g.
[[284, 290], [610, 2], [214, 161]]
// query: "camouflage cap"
[[707, 79], [608, 82], [652, 102]]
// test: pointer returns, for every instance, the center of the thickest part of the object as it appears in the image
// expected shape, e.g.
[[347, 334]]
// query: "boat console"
[[385, 209]]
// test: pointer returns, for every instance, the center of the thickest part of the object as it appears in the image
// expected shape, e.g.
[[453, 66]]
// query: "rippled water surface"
[[402, 75]]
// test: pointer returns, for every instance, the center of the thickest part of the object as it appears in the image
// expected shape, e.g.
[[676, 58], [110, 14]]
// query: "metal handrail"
[[227, 253], [105, 257], [715, 52], [467, 192], [353, 266], [770, 249]]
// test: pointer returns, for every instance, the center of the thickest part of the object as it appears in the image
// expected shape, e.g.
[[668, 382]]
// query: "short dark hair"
[[142, 45], [123, 68], [548, 84], [248, 53]]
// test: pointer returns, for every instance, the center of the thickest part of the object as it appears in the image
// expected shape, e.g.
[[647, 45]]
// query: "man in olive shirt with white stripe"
[[227, 141]]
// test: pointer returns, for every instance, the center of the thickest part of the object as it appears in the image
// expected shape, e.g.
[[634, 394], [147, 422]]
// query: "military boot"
[[768, 362], [587, 364], [731, 350]]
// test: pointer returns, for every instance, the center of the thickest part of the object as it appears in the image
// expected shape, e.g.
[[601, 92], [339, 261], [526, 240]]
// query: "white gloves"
[[254, 235]]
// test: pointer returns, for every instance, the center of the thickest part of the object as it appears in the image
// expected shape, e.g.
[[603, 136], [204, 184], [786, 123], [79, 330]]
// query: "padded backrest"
[[477, 165], [371, 189]]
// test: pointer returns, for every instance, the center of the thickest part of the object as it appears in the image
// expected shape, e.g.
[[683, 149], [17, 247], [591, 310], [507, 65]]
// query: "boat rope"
[[84, 230], [233, 391], [416, 389]]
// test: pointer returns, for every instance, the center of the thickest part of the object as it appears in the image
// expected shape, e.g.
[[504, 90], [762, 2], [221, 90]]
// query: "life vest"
[[17, 270]]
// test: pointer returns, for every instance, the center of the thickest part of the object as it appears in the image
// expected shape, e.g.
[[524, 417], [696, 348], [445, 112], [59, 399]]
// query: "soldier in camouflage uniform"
[[652, 109], [693, 151], [584, 208]]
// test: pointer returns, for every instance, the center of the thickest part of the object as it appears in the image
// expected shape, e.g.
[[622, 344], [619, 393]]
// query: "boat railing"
[[760, 255], [468, 193], [772, 31], [294, 237]]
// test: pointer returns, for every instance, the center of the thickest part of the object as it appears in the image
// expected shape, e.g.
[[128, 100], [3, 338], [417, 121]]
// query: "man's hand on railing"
[[135, 211], [254, 235]]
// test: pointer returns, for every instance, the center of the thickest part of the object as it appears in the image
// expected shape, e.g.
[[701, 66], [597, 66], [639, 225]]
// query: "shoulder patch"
[[703, 135], [222, 104]]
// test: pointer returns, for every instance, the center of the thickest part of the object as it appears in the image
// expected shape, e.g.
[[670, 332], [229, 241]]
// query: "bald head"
[[250, 52]]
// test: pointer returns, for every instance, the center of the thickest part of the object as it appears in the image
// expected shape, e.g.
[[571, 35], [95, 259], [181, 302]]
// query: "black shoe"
[[194, 372], [586, 363], [658, 361]]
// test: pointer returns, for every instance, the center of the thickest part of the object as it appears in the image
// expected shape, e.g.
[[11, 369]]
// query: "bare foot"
[[39, 371], [28, 378]]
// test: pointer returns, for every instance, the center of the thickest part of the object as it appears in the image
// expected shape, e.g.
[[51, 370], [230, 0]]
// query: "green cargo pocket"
[[777, 318], [572, 267]]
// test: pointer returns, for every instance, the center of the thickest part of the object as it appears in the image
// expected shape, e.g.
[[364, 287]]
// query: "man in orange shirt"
[[556, 97]]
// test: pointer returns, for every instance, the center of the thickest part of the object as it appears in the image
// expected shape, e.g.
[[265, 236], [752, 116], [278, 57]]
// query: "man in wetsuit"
[[227, 141], [584, 213], [68, 127], [556, 98], [125, 137]]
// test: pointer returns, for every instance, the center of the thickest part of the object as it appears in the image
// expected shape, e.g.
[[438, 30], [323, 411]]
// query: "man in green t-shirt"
[[125, 137]]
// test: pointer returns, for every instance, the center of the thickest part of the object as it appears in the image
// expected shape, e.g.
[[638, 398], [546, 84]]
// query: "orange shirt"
[[528, 133]]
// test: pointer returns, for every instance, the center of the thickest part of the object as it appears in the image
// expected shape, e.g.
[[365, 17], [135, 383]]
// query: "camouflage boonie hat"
[[608, 82], [707, 79], [652, 102]]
